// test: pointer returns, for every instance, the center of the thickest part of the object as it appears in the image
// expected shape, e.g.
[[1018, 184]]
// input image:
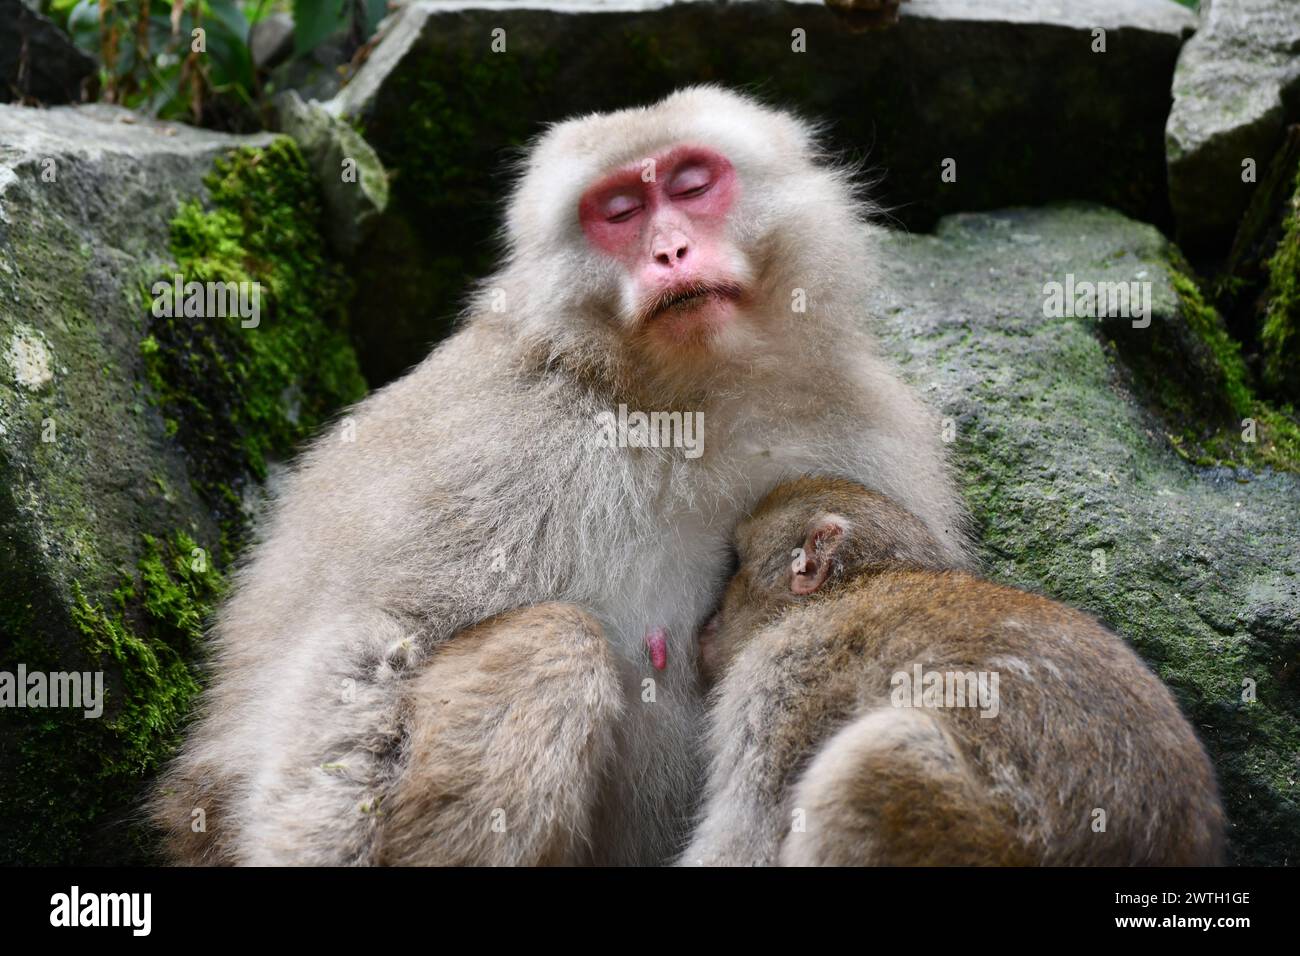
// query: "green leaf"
[[314, 20], [83, 26], [230, 16], [232, 64]]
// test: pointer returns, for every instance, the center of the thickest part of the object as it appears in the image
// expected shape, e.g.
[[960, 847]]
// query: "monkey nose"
[[669, 250]]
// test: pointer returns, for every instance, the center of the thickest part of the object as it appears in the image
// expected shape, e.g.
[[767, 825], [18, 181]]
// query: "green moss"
[[74, 770], [1223, 364], [1276, 431], [1196, 379], [1280, 333], [100, 560], [238, 396], [150, 633]]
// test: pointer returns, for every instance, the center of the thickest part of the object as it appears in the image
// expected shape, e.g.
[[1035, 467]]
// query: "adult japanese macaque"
[[878, 707], [467, 632]]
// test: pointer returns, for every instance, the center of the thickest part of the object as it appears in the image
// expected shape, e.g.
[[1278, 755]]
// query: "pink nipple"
[[656, 640]]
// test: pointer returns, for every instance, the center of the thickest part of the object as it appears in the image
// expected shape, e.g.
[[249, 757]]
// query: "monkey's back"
[[1081, 745]]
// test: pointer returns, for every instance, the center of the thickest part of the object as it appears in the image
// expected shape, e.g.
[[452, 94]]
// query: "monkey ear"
[[812, 562]]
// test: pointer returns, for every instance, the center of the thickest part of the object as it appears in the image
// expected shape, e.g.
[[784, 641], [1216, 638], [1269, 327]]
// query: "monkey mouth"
[[684, 298]]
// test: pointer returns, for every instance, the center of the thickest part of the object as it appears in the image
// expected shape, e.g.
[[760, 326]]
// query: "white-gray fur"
[[474, 486]]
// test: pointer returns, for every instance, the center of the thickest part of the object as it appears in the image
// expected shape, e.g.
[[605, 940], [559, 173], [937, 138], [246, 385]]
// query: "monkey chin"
[[691, 343], [693, 323]]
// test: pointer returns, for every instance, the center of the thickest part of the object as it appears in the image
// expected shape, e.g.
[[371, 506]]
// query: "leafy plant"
[[191, 59], [314, 20]]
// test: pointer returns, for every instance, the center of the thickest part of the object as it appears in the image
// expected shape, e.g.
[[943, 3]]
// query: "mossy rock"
[[1280, 332], [1105, 466], [131, 446], [446, 113]]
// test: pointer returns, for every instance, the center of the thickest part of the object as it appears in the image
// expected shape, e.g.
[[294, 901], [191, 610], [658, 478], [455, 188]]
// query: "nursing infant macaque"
[[876, 706]]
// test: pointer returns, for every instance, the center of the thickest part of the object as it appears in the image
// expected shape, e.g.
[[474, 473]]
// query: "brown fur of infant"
[[824, 750]]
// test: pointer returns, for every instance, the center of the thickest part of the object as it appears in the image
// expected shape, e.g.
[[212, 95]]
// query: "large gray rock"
[[128, 439], [38, 61], [951, 80], [1079, 492], [1236, 87]]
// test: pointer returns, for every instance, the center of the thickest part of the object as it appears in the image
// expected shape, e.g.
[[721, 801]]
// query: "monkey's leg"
[[893, 789], [509, 732]]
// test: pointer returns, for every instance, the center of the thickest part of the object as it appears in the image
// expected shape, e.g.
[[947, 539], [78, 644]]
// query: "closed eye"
[[622, 206], [693, 192], [690, 180]]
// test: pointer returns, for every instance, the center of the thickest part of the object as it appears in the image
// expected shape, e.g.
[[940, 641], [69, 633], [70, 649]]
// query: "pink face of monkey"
[[665, 222]]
